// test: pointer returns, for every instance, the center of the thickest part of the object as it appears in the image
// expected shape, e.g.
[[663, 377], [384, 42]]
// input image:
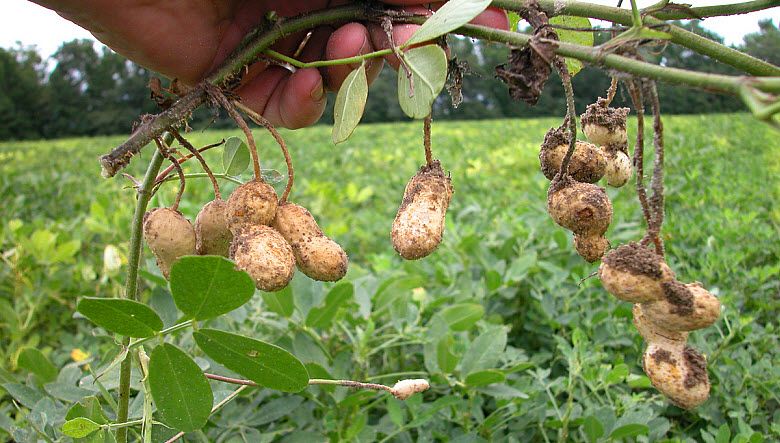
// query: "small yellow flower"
[[78, 355], [418, 294]]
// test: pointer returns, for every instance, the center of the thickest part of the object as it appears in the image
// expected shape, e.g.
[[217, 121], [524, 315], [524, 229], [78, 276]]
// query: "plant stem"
[[680, 36], [636, 17], [350, 384], [152, 127], [713, 82], [131, 285], [312, 382], [571, 116], [322, 63], [427, 139], [657, 182], [637, 98]]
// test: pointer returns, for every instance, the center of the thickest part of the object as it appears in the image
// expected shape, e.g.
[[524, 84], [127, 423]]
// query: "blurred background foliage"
[[535, 355]]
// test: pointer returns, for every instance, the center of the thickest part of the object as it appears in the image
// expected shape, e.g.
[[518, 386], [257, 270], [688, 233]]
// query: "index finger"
[[490, 17]]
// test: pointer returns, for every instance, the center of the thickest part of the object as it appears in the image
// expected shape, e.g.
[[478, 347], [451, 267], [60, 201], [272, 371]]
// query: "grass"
[[572, 357]]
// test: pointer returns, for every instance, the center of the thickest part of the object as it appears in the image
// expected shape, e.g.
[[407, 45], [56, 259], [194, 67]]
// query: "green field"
[[571, 368]]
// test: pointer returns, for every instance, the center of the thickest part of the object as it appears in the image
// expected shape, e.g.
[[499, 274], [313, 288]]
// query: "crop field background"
[[533, 355]]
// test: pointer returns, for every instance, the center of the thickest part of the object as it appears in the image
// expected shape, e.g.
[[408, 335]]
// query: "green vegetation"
[[514, 348]]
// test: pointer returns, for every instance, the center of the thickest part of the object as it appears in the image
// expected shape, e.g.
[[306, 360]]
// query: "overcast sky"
[[21, 20]]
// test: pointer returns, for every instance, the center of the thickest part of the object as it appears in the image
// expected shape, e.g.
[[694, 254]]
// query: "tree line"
[[95, 92]]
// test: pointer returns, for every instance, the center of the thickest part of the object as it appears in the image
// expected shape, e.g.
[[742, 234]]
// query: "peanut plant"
[[255, 239]]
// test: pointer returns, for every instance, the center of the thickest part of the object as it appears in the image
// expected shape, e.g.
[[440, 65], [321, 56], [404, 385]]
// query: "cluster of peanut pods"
[[665, 310]]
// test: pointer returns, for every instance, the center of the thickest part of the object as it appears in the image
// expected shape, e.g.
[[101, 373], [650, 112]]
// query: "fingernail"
[[318, 92]]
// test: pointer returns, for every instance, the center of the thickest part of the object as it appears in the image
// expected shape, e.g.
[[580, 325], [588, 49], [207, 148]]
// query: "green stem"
[[322, 63], [680, 36], [131, 285], [714, 82], [259, 43], [164, 332], [636, 17], [124, 424]]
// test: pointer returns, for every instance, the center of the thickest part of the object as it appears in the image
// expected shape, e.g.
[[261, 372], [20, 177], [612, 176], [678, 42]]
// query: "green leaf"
[[485, 377], [593, 428], [392, 289], [629, 430], [235, 156], [520, 266], [121, 316], [79, 427], [322, 316], [463, 316], [638, 381], [433, 409], [445, 358], [66, 391], [180, 390], [617, 374], [484, 351], [428, 65], [452, 15], [208, 286], [583, 38], [265, 364], [281, 302], [88, 407], [34, 361], [514, 20], [275, 410], [350, 104], [25, 395], [724, 434]]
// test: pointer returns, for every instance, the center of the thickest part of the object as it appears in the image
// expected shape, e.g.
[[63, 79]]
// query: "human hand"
[[187, 39]]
